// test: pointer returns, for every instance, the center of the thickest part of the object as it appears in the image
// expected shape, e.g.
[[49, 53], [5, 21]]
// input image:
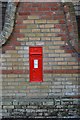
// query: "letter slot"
[[35, 62]]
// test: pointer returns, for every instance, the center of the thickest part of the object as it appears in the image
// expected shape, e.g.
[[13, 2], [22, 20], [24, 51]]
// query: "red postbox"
[[36, 67]]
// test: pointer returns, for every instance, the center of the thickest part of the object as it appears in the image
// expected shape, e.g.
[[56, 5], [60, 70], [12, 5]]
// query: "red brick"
[[21, 17], [8, 47], [59, 17], [20, 26], [45, 71], [43, 9], [33, 9], [78, 59], [17, 30], [54, 8], [49, 13], [57, 26], [62, 21], [69, 51], [63, 35], [15, 71], [70, 27], [51, 4], [19, 21], [27, 4], [37, 13], [16, 43], [61, 71], [12, 38], [50, 17], [37, 5], [19, 35], [24, 13], [64, 38]]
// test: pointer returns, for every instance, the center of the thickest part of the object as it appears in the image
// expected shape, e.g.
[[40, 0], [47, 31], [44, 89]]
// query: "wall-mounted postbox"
[[36, 67]]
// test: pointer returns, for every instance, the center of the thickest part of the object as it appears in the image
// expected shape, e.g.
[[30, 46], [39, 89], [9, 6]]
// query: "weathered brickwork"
[[71, 25], [40, 24]]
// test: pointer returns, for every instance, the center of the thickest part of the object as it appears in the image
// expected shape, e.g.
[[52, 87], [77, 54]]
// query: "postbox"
[[36, 64]]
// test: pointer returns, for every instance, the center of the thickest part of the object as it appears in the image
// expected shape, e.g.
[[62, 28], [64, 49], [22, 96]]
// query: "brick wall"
[[40, 24]]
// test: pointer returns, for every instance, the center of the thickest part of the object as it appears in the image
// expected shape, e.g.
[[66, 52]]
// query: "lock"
[[35, 62]]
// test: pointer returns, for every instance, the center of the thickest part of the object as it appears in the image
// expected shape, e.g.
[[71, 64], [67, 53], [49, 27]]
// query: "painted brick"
[[40, 43], [42, 26], [72, 63], [45, 38], [59, 51], [62, 63], [54, 47], [28, 21], [11, 59], [65, 55], [33, 17], [55, 30], [6, 56], [49, 51], [29, 43], [58, 42], [32, 26], [9, 68], [53, 21], [30, 34], [25, 30], [54, 55], [56, 38], [19, 48], [50, 34], [34, 38], [12, 76], [11, 51], [35, 30], [75, 67], [40, 21], [45, 30], [49, 25], [16, 56], [22, 39], [59, 59]]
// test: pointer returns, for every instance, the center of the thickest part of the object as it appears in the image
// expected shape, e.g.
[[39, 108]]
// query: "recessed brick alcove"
[[49, 25]]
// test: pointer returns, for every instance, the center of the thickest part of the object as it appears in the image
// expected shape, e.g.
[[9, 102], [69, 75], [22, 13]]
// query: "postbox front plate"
[[36, 69]]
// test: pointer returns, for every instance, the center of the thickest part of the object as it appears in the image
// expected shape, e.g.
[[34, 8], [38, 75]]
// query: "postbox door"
[[36, 68]]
